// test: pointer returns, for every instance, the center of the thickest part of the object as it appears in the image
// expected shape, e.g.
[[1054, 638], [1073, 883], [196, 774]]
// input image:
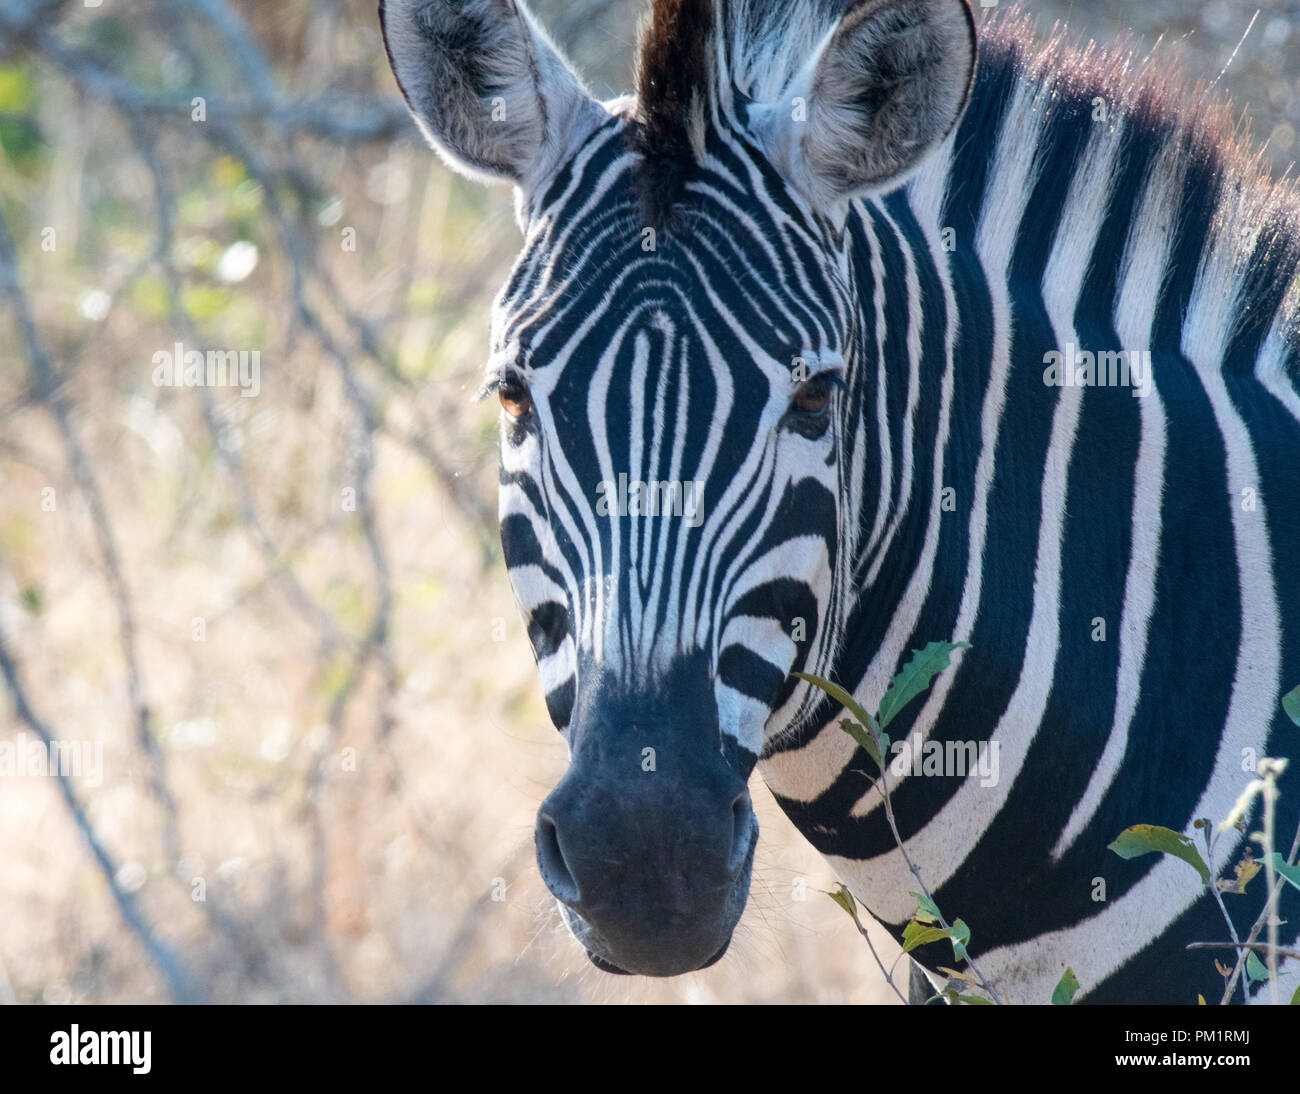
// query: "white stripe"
[[886, 469], [915, 322], [1142, 272]]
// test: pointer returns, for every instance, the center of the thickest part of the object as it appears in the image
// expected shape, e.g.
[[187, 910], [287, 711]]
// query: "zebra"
[[845, 276]]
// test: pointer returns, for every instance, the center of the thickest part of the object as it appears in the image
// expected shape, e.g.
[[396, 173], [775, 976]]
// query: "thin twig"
[[882, 786], [1263, 918], [886, 973], [179, 980], [1243, 946], [1211, 841]]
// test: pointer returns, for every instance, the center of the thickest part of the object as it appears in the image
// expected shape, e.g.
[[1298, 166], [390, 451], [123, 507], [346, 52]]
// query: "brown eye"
[[813, 396], [514, 397]]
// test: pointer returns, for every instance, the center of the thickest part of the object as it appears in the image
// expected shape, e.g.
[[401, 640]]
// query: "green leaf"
[[1295, 999], [844, 899], [1256, 971], [955, 998], [1142, 839], [969, 1000], [927, 911], [864, 739], [1291, 704], [924, 666], [1063, 993], [917, 934], [840, 696], [1291, 873], [866, 732], [953, 974], [960, 934]]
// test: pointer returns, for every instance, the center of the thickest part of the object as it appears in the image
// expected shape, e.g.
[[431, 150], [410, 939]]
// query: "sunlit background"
[[282, 620]]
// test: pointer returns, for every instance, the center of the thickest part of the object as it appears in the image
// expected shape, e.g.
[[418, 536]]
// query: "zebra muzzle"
[[652, 875]]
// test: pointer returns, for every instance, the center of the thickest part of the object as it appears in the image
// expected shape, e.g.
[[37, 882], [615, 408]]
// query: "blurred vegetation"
[[283, 616]]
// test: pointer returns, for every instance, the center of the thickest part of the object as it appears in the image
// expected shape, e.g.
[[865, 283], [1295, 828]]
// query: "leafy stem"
[[869, 732]]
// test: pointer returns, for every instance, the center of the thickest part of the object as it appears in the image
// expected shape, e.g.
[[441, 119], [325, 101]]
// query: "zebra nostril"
[[742, 823], [555, 870]]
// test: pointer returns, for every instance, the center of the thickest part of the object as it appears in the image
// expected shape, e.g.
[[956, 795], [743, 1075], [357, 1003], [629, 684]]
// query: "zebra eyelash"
[[833, 376], [493, 384], [504, 363]]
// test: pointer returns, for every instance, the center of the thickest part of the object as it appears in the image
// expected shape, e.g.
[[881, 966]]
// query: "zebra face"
[[669, 512], [669, 354]]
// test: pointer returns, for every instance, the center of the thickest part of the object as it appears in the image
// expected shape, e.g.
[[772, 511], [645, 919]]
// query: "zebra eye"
[[814, 396], [514, 397]]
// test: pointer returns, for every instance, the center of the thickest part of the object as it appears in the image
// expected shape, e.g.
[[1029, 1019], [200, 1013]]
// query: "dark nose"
[[656, 869]]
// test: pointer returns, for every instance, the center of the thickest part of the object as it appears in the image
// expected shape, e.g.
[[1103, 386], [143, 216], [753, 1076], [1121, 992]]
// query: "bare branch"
[[179, 980]]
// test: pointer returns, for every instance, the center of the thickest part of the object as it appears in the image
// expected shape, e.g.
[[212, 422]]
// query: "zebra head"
[[676, 353]]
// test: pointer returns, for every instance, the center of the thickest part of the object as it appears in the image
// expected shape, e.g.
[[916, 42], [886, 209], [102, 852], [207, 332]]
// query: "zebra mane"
[[694, 56], [676, 83], [1188, 131]]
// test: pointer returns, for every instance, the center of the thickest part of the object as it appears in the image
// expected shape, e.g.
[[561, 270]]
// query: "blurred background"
[[276, 628]]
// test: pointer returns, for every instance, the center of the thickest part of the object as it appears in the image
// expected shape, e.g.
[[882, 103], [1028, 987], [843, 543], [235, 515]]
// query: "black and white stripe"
[[1085, 199]]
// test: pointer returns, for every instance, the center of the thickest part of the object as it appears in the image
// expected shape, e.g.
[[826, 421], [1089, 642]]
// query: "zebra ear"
[[487, 88], [884, 89]]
